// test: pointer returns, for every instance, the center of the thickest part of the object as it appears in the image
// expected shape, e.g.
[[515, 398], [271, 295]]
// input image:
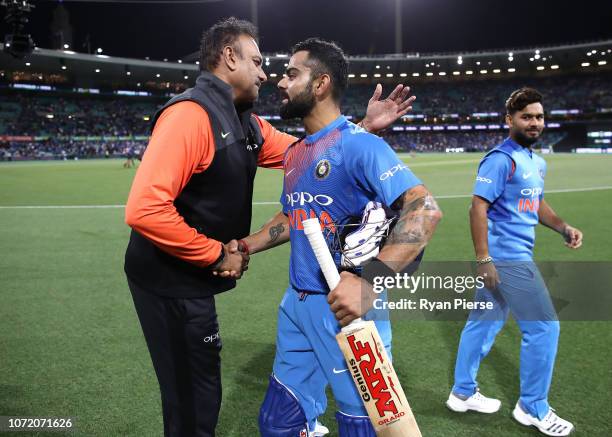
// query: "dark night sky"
[[360, 26]]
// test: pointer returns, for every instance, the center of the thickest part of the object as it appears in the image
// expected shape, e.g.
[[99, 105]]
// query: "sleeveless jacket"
[[216, 202]]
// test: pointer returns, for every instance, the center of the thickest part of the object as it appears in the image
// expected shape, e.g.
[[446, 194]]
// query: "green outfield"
[[71, 344]]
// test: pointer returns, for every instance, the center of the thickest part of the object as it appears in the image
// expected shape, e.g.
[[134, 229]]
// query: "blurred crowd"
[[41, 116], [401, 142], [68, 126], [51, 149], [464, 98], [467, 141]]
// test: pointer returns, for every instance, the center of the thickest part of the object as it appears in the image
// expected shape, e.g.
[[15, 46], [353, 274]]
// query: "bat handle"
[[355, 324], [312, 229]]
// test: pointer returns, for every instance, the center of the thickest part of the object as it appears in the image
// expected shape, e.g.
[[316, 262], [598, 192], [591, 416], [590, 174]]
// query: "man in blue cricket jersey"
[[332, 174], [507, 205]]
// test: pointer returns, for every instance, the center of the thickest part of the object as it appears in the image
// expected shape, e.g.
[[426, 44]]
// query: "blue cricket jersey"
[[332, 174], [511, 178]]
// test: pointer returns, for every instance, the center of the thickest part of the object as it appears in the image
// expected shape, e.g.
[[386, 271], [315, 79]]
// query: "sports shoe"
[[550, 425], [319, 431], [476, 402]]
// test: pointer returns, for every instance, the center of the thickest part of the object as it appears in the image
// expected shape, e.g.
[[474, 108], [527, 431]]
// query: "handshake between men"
[[234, 262]]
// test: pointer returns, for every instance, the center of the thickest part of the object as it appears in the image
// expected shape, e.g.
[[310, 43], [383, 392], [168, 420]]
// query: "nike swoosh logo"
[[289, 172], [224, 135], [525, 176], [340, 371]]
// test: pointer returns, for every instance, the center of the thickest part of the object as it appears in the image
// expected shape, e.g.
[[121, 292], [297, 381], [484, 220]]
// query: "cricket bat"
[[366, 357]]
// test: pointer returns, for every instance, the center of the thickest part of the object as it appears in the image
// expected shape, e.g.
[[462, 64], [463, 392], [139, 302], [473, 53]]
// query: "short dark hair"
[[220, 35], [326, 57], [520, 98]]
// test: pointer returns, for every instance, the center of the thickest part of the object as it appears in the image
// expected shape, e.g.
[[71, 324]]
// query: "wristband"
[[243, 247], [219, 260], [485, 260], [376, 268]]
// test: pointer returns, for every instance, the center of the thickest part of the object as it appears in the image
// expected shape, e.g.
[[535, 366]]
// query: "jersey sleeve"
[[275, 145], [373, 165], [181, 144], [493, 173]]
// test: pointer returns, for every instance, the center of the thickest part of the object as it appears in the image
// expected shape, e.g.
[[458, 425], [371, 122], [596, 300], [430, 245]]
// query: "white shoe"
[[319, 431], [476, 402], [550, 425]]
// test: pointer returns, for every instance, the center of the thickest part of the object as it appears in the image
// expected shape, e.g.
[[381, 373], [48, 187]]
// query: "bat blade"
[[366, 357], [377, 382]]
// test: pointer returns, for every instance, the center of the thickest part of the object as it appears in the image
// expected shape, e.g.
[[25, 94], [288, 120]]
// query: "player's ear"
[[508, 120], [323, 86], [229, 57]]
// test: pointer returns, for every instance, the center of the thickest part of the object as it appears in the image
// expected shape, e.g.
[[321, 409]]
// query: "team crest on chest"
[[541, 172], [322, 169]]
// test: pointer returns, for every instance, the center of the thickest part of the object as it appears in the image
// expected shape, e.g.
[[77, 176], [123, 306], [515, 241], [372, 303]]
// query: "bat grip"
[[312, 229]]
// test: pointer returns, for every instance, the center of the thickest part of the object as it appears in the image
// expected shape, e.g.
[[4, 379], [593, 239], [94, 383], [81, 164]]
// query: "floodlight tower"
[[398, 26], [254, 13], [17, 42]]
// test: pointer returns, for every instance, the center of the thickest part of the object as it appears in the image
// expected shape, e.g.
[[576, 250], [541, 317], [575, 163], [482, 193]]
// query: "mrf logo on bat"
[[367, 366]]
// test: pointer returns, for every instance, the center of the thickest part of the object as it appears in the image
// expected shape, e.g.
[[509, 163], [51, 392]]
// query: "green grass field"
[[71, 344]]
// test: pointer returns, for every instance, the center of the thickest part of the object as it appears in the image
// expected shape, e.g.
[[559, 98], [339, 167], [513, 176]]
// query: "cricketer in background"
[[507, 205]]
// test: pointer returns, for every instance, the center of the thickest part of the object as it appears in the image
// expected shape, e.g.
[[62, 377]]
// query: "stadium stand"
[[464, 98], [50, 115]]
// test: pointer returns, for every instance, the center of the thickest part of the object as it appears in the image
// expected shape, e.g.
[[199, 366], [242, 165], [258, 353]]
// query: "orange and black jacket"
[[194, 189]]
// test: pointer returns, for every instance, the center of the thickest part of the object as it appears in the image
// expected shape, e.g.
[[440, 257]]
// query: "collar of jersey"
[[518, 147], [327, 129]]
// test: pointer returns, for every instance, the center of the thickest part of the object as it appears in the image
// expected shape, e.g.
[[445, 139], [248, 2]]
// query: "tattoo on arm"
[[417, 221], [426, 202], [276, 231]]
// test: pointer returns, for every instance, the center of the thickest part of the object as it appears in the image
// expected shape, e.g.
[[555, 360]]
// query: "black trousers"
[[184, 342]]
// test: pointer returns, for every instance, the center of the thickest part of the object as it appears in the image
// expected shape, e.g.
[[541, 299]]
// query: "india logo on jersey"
[[322, 169]]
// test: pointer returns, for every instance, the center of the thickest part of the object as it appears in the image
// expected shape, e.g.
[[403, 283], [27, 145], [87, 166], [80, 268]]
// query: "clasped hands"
[[351, 298], [235, 262]]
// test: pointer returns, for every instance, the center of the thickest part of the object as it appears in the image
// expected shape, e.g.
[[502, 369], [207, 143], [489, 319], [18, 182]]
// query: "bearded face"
[[298, 106], [526, 126]]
